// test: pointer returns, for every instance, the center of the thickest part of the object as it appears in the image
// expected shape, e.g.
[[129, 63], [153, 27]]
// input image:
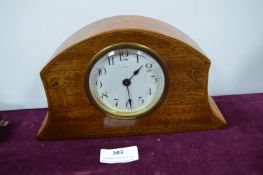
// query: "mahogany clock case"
[[186, 107]]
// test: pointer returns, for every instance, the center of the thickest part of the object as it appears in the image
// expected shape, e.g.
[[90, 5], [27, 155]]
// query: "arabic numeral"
[[116, 101], [102, 71], [123, 55], [110, 60], [154, 78], [117, 152], [149, 67], [140, 100]]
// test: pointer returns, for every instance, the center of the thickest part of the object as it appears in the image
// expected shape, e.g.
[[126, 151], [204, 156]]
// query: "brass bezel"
[[126, 115]]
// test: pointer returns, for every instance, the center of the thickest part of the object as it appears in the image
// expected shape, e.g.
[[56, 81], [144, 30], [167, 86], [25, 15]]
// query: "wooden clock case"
[[186, 107]]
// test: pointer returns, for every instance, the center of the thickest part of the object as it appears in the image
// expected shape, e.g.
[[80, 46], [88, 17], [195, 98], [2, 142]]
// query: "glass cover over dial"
[[126, 82]]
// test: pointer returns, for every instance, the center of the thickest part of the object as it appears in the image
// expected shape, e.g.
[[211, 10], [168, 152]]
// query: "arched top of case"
[[127, 22]]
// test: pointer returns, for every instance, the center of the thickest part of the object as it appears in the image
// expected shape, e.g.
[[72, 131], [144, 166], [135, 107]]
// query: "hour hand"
[[136, 72]]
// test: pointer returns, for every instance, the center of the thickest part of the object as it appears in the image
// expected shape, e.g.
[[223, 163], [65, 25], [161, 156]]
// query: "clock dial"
[[126, 82]]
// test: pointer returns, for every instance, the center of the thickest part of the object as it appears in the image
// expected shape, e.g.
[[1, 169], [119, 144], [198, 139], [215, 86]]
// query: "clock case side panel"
[[44, 128]]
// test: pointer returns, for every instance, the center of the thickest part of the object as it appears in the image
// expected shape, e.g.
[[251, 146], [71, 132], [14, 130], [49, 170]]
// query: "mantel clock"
[[127, 75]]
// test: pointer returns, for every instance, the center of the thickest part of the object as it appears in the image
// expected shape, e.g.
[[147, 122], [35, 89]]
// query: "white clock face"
[[126, 82]]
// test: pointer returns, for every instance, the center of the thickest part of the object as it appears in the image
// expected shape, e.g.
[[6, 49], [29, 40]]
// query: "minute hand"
[[135, 72], [129, 100]]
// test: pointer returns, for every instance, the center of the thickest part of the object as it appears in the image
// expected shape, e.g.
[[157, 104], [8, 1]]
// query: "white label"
[[119, 155]]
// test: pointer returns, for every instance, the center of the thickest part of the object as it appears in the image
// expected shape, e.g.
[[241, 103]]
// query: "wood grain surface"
[[187, 106]]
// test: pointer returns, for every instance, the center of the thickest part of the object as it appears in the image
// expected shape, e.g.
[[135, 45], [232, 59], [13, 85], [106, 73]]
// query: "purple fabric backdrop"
[[236, 150]]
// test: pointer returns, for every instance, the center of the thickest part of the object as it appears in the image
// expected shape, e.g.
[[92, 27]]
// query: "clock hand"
[[135, 72], [127, 83], [129, 100]]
